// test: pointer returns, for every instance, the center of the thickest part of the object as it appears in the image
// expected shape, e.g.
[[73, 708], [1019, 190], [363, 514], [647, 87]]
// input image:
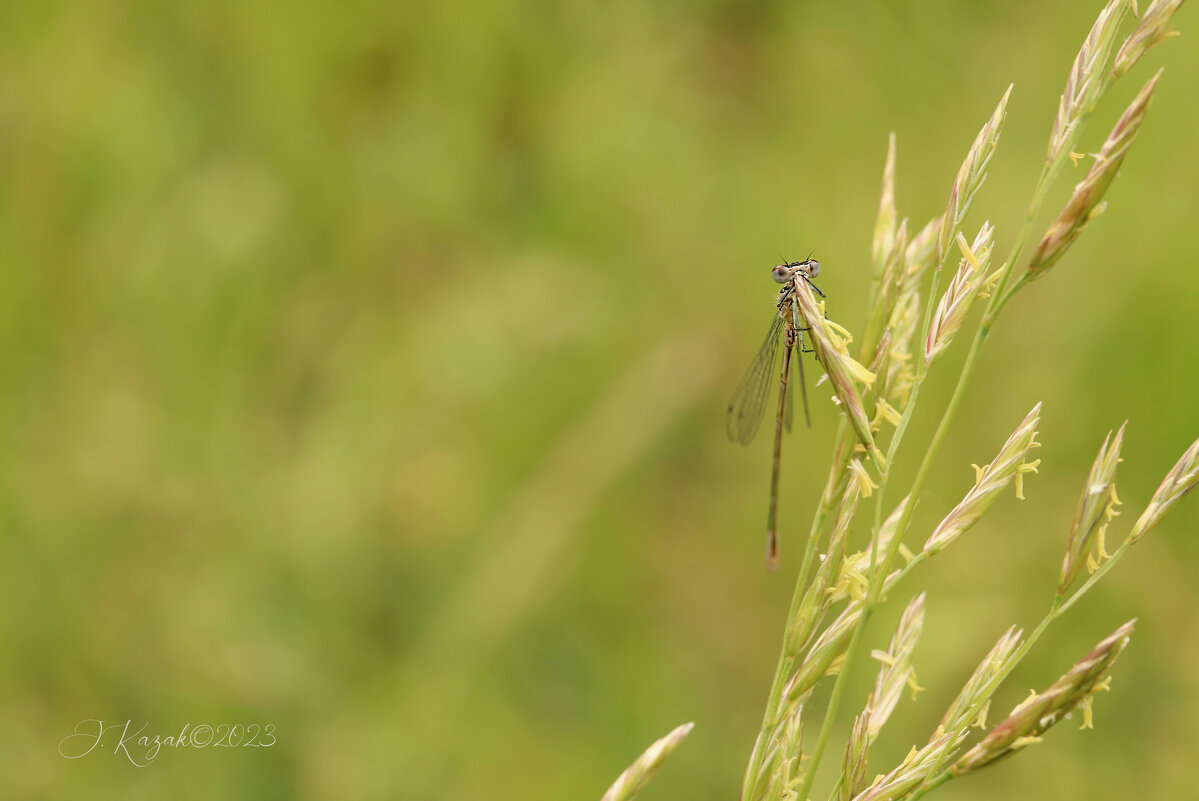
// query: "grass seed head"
[[970, 705], [1008, 467], [1181, 479], [884, 226], [919, 254], [825, 654], [910, 773], [896, 672], [853, 771], [1096, 508], [830, 342], [1084, 204], [634, 779], [1153, 27], [1032, 718], [963, 289], [1087, 75], [970, 177]]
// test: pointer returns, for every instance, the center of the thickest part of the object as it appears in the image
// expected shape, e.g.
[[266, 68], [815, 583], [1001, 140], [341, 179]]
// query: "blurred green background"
[[364, 366]]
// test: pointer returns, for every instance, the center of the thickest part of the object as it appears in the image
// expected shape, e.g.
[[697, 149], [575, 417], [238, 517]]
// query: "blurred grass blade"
[[531, 541]]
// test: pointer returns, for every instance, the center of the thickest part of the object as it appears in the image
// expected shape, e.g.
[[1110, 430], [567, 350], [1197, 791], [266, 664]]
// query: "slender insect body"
[[749, 400]]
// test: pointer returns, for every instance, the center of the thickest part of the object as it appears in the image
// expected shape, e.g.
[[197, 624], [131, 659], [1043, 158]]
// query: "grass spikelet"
[[970, 177], [910, 773], [918, 255], [1152, 28], [969, 707], [963, 289], [856, 760], [880, 365], [1096, 508], [825, 654], [1181, 479], [841, 368], [1085, 82], [820, 593], [890, 283], [884, 226], [788, 755], [896, 672], [1084, 204], [1007, 467], [1042, 711], [636, 776]]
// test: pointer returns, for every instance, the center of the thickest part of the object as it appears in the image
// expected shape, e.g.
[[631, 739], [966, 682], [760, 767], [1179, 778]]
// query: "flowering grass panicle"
[[852, 560], [867, 577]]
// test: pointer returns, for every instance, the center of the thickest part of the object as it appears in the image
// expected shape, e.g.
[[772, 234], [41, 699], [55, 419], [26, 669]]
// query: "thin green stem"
[[1093, 579], [910, 566]]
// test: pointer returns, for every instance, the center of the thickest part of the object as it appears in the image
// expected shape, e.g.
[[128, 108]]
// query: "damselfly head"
[[786, 272]]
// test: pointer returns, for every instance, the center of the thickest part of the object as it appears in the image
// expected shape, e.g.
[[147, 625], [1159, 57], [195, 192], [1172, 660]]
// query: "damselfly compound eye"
[[813, 268], [781, 274]]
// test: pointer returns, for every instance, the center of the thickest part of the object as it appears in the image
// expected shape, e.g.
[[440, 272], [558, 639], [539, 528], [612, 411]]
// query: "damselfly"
[[749, 401]]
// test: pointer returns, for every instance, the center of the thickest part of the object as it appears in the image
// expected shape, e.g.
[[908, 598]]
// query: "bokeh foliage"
[[363, 367]]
